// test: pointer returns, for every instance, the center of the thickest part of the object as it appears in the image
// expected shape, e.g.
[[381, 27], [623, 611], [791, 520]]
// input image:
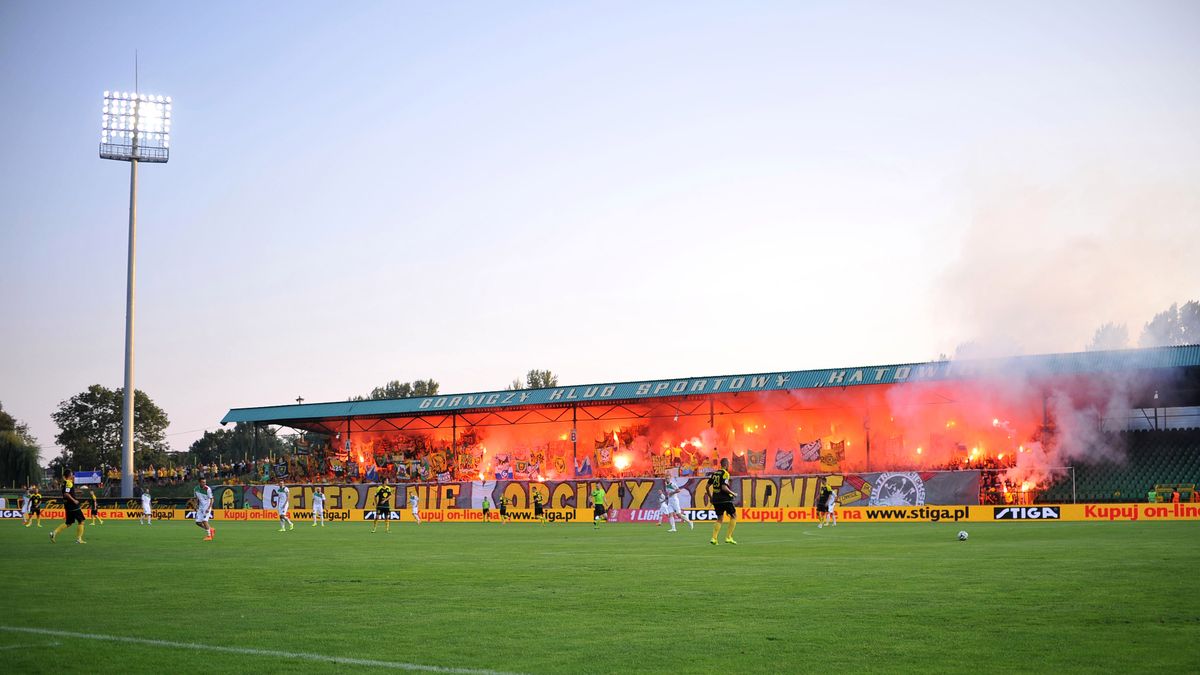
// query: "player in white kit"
[[831, 507], [412, 502], [318, 507], [670, 507], [25, 500], [204, 500], [144, 519], [284, 497]]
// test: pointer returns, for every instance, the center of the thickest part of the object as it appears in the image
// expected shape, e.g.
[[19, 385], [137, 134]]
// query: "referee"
[[74, 510], [722, 496]]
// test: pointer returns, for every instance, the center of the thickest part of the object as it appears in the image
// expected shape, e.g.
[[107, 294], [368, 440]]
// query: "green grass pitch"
[[1026, 597]]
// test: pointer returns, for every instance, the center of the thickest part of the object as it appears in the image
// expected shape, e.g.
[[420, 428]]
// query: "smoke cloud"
[[1042, 264]]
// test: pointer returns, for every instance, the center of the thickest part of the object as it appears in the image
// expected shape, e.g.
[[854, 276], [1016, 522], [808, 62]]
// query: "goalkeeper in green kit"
[[599, 511]]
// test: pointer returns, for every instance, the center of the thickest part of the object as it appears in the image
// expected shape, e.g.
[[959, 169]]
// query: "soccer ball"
[[962, 535]]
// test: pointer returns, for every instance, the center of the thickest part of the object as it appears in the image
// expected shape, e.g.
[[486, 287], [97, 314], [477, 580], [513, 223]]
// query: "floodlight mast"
[[136, 127]]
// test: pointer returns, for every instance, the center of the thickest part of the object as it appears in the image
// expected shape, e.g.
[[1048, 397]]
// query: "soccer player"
[[412, 504], [674, 510], [35, 505], [74, 511], [663, 498], [831, 506], [538, 511], [722, 498], [823, 503], [599, 510], [318, 507], [204, 500], [487, 509], [503, 510], [94, 508], [147, 514], [383, 507], [25, 499], [285, 503]]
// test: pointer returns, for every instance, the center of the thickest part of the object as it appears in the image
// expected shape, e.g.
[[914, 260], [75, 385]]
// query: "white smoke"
[[1042, 264]]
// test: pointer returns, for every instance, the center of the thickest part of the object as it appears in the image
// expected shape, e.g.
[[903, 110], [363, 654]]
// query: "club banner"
[[864, 489], [909, 488], [87, 477]]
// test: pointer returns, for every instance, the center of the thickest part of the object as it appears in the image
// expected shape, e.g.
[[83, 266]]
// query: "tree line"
[[89, 434], [1174, 326]]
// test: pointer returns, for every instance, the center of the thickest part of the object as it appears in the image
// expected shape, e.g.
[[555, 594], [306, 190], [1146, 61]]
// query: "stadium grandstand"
[[1088, 426]]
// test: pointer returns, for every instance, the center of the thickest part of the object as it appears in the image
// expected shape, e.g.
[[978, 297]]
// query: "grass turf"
[[1027, 597]]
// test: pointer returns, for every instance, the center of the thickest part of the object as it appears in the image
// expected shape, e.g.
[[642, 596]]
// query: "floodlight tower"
[[136, 128]]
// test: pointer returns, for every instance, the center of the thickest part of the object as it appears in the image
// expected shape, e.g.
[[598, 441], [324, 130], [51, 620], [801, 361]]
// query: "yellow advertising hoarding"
[[847, 515]]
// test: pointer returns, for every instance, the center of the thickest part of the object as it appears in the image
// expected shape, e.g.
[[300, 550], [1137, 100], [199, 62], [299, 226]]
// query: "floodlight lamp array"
[[135, 126]]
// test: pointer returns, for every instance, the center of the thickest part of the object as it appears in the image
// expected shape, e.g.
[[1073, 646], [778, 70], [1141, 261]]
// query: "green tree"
[[235, 444], [1174, 326], [18, 460], [1161, 331], [398, 389], [1109, 336], [1189, 323], [10, 423], [18, 452], [89, 426], [540, 379]]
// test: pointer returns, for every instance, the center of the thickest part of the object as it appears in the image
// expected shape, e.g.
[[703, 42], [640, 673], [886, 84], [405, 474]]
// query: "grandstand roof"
[[1096, 362]]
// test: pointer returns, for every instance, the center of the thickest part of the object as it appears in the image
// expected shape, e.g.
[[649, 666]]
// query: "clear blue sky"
[[361, 192]]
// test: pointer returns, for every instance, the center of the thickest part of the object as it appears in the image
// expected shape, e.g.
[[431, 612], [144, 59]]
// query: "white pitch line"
[[840, 536], [304, 656], [45, 644], [623, 555]]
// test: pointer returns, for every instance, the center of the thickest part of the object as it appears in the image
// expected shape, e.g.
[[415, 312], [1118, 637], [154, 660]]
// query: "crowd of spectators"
[[227, 472], [994, 486]]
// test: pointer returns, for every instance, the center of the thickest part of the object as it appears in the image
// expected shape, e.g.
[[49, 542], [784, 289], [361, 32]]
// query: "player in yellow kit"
[[383, 507], [722, 497]]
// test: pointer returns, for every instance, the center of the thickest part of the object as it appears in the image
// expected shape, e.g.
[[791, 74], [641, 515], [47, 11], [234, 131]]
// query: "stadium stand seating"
[[1152, 458]]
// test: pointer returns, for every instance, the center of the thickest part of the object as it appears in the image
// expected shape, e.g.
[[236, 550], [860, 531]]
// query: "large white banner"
[[272, 496]]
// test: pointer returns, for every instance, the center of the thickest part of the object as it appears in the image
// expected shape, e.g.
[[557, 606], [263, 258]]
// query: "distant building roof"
[[931, 371]]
